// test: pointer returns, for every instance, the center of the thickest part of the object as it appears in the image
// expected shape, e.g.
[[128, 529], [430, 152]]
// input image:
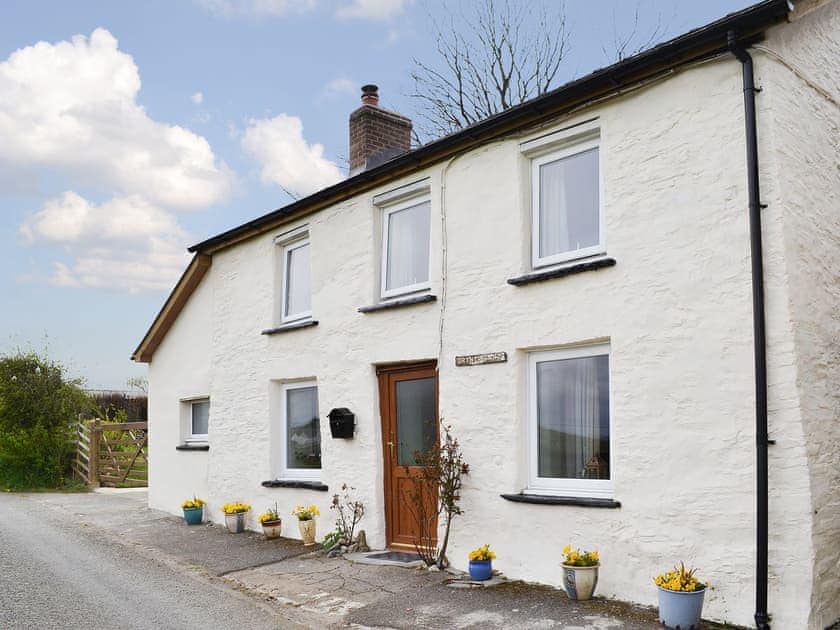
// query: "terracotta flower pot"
[[271, 529], [307, 531], [580, 582]]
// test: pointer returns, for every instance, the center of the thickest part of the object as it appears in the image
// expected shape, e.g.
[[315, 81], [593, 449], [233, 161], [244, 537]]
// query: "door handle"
[[391, 448]]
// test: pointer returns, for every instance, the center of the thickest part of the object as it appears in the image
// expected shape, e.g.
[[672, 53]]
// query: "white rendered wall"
[[180, 370], [802, 128], [676, 310]]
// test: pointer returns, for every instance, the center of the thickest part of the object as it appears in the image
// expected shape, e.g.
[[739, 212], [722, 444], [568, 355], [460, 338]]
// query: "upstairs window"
[[295, 280], [405, 248], [566, 204]]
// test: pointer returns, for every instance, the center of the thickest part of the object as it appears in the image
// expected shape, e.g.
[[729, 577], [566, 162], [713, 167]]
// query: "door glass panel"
[[416, 418]]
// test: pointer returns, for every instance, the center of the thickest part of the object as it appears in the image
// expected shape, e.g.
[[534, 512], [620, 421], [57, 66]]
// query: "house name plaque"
[[481, 359]]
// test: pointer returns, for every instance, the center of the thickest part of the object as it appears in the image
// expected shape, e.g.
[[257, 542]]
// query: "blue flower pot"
[[679, 610], [193, 515], [481, 570]]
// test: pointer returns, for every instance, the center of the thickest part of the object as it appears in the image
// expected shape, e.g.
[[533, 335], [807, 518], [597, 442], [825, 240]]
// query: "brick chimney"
[[376, 135]]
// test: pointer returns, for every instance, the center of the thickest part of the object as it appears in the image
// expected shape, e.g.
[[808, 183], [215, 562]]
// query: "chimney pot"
[[370, 95]]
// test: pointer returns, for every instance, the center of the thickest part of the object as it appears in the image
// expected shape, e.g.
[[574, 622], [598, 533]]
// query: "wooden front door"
[[409, 410]]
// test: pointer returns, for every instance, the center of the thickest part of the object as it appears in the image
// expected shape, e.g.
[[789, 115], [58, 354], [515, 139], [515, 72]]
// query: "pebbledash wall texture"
[[675, 309]]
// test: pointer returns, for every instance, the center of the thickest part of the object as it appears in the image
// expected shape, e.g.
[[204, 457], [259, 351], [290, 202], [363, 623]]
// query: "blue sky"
[[133, 130]]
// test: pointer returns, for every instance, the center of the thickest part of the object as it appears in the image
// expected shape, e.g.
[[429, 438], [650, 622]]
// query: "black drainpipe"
[[762, 619]]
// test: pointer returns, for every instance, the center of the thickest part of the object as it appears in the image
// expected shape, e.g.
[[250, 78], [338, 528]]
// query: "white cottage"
[[600, 249]]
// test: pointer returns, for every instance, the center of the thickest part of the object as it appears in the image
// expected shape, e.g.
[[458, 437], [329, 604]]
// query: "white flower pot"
[[235, 523], [580, 582], [307, 531]]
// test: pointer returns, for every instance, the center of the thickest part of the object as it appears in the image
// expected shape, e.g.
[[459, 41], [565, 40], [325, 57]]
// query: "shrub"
[[38, 408]]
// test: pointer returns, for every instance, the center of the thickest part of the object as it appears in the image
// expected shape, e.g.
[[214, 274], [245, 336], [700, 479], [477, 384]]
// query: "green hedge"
[[38, 408]]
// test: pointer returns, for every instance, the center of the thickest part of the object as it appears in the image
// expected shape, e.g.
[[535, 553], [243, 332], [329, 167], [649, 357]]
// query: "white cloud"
[[197, 98], [72, 107], [372, 9], [125, 243], [231, 8], [341, 85], [286, 158]]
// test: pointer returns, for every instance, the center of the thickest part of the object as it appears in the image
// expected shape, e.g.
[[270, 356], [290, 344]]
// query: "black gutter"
[[762, 619], [700, 43]]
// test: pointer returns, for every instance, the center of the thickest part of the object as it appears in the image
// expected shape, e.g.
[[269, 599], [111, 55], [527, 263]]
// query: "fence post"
[[93, 464]]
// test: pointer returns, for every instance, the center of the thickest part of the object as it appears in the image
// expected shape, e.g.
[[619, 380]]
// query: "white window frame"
[[287, 243], [594, 488], [386, 215], [197, 437], [295, 474], [572, 147]]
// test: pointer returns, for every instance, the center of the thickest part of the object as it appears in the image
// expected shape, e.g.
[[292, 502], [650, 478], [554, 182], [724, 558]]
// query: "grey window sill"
[[540, 499], [198, 446], [290, 483], [308, 323], [398, 303], [562, 272]]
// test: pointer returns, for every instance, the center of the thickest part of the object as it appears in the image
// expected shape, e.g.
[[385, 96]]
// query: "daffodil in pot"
[[193, 510], [481, 563], [680, 598], [271, 522], [235, 514], [306, 522], [580, 572]]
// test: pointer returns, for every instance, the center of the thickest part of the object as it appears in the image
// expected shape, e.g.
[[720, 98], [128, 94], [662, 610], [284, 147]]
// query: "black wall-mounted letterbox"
[[342, 422]]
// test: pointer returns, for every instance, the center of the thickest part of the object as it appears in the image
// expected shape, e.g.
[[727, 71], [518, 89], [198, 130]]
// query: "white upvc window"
[[569, 422], [566, 209], [199, 420], [300, 456], [406, 247], [295, 276]]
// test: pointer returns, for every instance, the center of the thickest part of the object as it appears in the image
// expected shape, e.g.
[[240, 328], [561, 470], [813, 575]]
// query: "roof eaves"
[[704, 41]]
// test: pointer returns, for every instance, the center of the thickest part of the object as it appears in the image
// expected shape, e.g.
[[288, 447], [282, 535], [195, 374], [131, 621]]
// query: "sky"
[[131, 130]]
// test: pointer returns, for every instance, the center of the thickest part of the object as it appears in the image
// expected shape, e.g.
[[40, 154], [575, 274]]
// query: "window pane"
[[200, 417], [416, 418], [298, 298], [569, 212], [303, 430], [573, 418], [408, 246]]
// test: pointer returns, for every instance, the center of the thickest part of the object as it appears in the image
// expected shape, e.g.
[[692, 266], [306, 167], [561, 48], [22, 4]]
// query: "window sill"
[[307, 323], [194, 446], [540, 499], [398, 303], [290, 483], [560, 272]]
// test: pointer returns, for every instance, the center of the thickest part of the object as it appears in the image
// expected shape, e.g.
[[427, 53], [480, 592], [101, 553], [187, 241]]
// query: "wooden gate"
[[112, 454]]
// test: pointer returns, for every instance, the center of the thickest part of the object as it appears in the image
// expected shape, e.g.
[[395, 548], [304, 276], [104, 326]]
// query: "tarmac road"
[[56, 574]]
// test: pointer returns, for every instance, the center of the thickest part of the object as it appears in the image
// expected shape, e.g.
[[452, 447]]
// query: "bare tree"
[[507, 53], [631, 41]]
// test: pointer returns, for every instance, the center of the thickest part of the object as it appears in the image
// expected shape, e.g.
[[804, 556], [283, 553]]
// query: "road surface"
[[57, 574]]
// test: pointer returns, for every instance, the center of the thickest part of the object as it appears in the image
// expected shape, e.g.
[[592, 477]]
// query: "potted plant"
[[306, 522], [580, 572], [270, 520], [235, 516], [193, 510], [680, 598], [481, 563]]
